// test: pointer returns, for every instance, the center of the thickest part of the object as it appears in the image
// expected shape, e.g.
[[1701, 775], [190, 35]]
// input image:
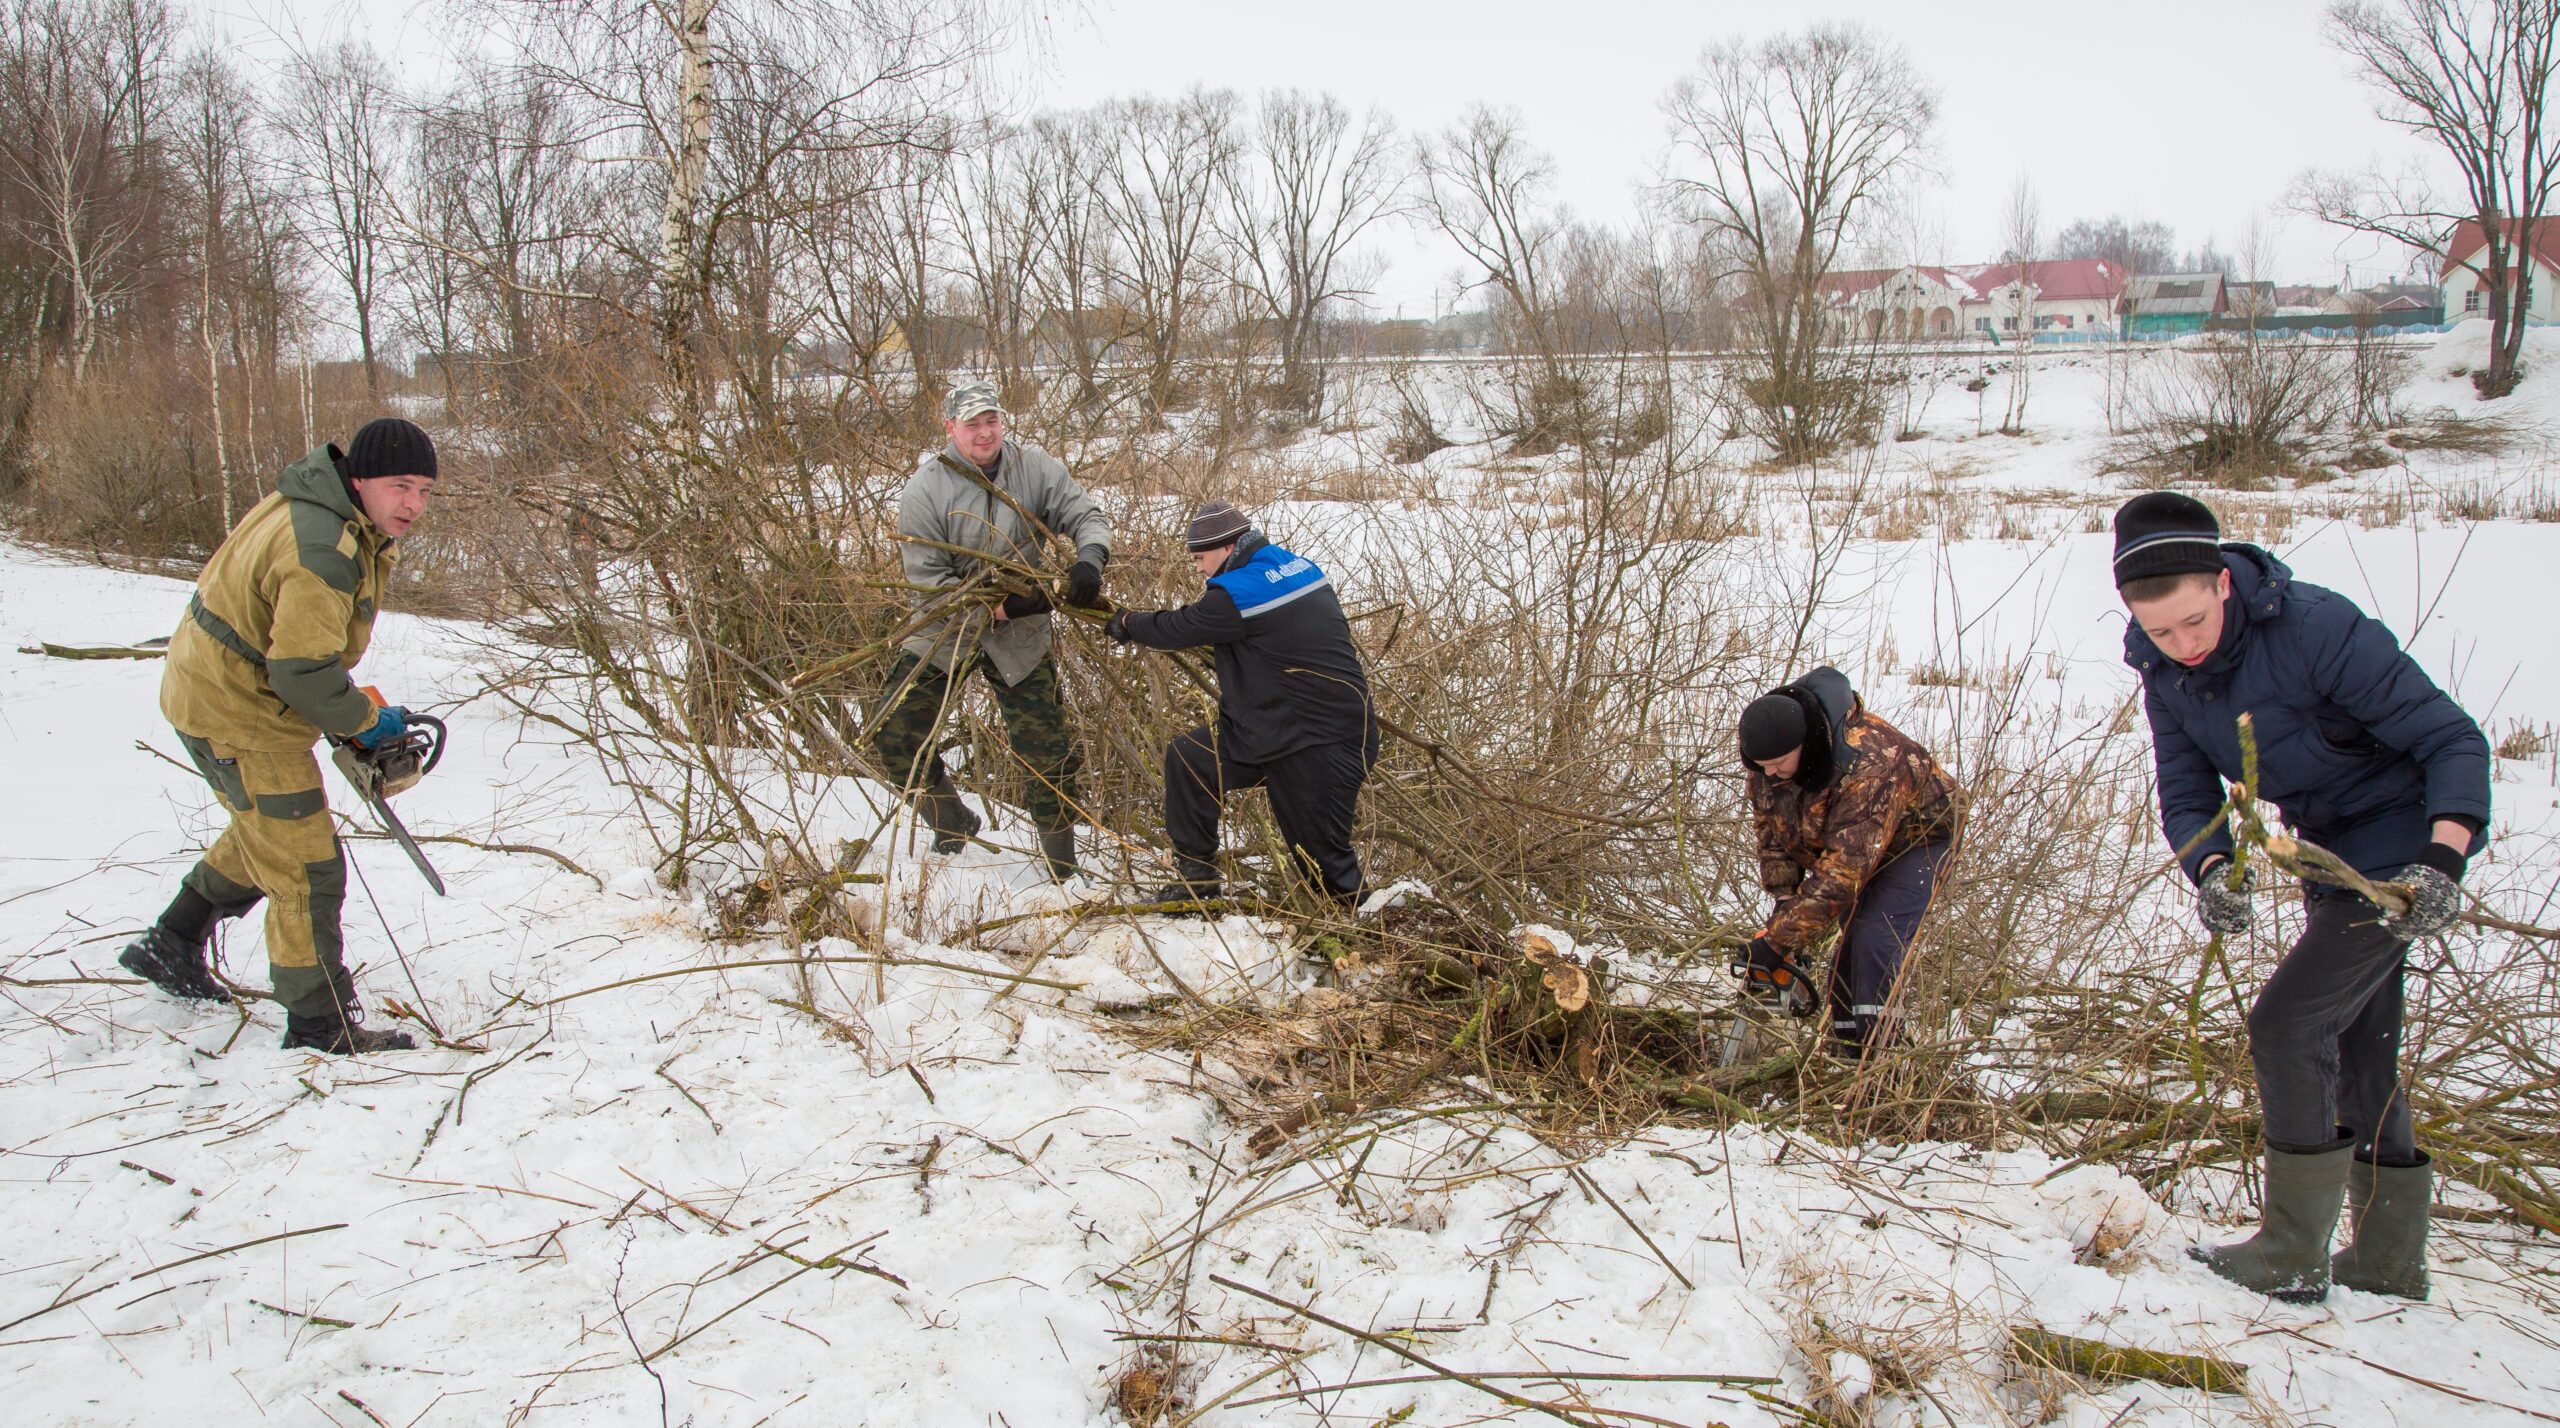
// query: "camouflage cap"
[[968, 399]]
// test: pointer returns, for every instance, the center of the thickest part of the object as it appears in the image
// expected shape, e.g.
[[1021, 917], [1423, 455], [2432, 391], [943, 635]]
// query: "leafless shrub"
[[2235, 412], [1412, 431], [2454, 432]]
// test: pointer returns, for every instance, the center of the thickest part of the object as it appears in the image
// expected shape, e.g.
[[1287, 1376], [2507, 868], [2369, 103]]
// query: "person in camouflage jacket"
[[1855, 823]]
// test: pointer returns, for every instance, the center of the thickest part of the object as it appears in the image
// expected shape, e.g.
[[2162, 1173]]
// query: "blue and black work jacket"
[[2359, 751], [1288, 676]]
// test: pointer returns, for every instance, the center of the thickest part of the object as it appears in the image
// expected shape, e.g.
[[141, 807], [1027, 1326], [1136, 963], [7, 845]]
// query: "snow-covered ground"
[[961, 1194]]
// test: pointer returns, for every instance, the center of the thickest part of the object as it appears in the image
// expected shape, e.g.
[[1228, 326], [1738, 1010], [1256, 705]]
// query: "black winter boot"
[[1194, 880], [172, 964], [948, 816], [2387, 1207], [2288, 1258], [341, 1033], [1058, 847]]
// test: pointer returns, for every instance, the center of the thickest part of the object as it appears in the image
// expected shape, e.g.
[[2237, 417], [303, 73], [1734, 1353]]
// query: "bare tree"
[[1491, 193], [1000, 230], [2137, 246], [648, 77], [1313, 185], [2022, 233], [2470, 77], [1172, 160], [80, 93], [1788, 145], [338, 124], [217, 116]]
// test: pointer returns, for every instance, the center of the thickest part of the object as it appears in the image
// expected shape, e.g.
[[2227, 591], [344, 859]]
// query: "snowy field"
[[962, 1194]]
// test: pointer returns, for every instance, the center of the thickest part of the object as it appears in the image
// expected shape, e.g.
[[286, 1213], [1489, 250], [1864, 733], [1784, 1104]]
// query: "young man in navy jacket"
[[1293, 706], [2365, 756]]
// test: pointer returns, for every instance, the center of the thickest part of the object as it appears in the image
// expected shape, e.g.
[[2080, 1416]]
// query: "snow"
[[921, 1194]]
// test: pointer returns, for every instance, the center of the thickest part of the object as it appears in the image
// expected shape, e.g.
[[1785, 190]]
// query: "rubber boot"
[[947, 815], [1058, 846], [1195, 880], [172, 964], [2288, 1258], [2387, 1208], [341, 1032]]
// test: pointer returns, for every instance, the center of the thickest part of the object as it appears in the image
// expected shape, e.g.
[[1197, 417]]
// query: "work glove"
[[2435, 896], [1084, 584], [1018, 606], [2225, 910], [389, 722], [1117, 627], [1768, 971]]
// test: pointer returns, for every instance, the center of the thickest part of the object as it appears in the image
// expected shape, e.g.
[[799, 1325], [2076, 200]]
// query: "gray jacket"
[[949, 501]]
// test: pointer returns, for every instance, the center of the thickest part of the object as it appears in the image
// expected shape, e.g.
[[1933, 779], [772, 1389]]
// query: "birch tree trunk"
[[679, 264]]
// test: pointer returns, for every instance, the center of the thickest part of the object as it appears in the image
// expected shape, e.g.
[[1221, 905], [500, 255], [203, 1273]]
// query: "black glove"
[[1084, 584], [1768, 971], [2225, 910], [1035, 603], [1117, 627], [2435, 895]]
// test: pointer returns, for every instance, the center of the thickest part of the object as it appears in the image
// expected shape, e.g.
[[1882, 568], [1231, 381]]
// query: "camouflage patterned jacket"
[[1826, 831], [280, 615]]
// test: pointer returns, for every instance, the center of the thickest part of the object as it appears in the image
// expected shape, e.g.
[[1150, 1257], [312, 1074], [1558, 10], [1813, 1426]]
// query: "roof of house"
[[1846, 283], [2157, 294], [2469, 238], [2059, 280]]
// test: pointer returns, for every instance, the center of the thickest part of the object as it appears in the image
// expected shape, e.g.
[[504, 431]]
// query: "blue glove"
[[391, 723]]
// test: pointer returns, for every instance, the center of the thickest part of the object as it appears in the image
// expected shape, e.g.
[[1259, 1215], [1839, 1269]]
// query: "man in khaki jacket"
[[986, 500], [257, 673]]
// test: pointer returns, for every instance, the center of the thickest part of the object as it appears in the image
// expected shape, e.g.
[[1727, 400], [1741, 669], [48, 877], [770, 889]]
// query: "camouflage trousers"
[[280, 847], [908, 736]]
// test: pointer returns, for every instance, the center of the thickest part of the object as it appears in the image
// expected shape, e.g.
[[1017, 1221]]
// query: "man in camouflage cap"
[[985, 500]]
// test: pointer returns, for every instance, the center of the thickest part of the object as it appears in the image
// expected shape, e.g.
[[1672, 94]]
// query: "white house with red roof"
[[2466, 261], [2081, 295], [1914, 302]]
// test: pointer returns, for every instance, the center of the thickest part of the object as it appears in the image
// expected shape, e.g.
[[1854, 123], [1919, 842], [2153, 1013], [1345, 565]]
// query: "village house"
[[2077, 295], [1912, 302], [2466, 258], [2171, 304]]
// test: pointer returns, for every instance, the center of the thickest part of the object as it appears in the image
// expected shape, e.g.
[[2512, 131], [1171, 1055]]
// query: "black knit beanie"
[[388, 446], [1773, 726], [2165, 533]]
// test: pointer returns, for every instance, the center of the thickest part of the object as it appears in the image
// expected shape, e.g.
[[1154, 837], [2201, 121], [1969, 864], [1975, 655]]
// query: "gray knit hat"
[[1216, 524]]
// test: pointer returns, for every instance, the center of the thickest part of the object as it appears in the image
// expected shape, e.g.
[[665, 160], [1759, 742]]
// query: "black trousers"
[[2324, 1036], [1314, 793]]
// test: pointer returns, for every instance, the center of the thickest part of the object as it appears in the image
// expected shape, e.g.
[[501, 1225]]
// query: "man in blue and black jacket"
[[1293, 706], [2365, 756]]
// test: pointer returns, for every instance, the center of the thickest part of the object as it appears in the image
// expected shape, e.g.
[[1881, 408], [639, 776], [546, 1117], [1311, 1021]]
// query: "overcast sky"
[[2197, 113]]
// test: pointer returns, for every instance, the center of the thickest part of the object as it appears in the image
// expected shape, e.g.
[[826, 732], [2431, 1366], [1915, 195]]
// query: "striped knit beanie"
[[2165, 533]]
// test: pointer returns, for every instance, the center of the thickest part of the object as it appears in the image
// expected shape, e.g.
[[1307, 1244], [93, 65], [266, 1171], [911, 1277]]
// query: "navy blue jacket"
[[2357, 748], [1288, 677]]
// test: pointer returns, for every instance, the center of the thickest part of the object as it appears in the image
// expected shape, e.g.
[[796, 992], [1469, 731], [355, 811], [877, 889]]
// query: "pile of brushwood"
[[1433, 1009]]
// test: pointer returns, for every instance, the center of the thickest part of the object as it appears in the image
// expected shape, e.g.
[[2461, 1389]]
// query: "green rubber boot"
[[2387, 1207], [1058, 847], [2288, 1258], [948, 816]]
